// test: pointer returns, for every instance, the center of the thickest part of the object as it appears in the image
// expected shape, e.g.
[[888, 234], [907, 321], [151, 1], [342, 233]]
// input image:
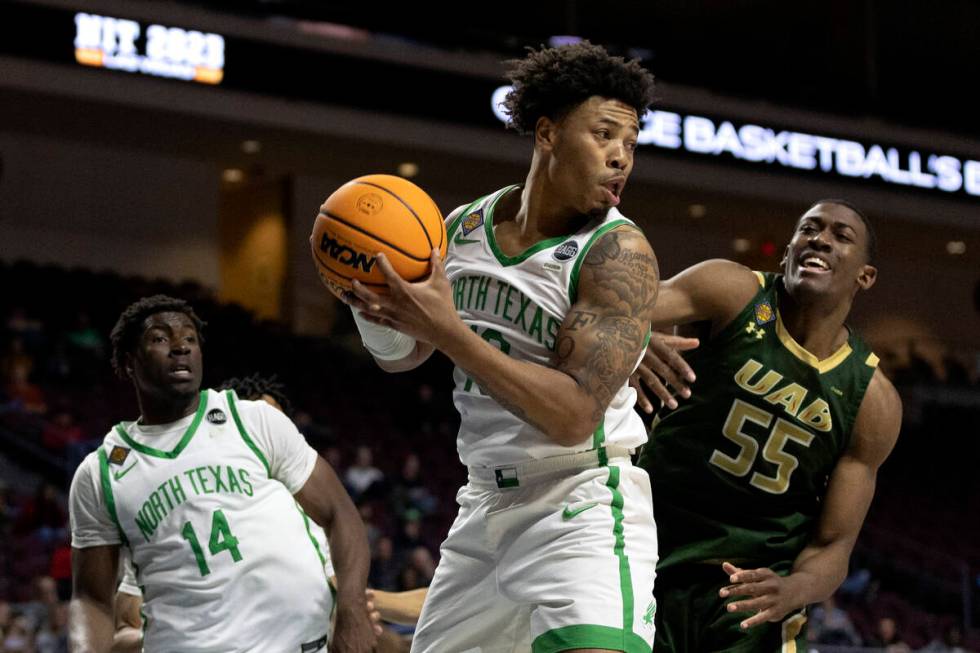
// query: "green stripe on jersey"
[[185, 439], [230, 394], [110, 500], [502, 258]]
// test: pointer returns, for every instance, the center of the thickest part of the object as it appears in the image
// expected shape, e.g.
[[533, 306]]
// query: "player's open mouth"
[[181, 372], [815, 263], [614, 188]]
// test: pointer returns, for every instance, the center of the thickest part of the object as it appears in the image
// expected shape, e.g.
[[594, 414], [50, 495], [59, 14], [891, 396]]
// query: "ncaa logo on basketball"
[[345, 254], [370, 203], [216, 416], [566, 251]]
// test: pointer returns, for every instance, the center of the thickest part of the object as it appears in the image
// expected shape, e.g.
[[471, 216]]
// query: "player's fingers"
[[660, 390], [641, 396], [392, 278], [436, 265], [679, 369], [750, 605], [371, 300], [751, 575], [652, 371], [680, 343], [729, 568], [760, 617], [744, 589]]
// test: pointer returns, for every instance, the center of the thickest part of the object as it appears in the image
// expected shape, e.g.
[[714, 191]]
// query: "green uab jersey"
[[739, 469]]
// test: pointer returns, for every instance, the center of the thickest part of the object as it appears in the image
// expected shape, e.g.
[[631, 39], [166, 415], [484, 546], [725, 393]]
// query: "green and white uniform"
[[223, 555], [739, 469], [554, 547]]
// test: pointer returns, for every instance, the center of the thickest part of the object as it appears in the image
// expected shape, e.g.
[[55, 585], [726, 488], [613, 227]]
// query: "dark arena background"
[[184, 147]]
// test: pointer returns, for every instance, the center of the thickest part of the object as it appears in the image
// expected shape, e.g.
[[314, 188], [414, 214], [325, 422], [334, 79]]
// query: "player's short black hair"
[[871, 246], [551, 82], [254, 386], [129, 326]]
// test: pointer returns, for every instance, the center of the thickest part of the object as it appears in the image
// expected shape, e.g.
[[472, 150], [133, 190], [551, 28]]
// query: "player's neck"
[[164, 410], [818, 326], [542, 212]]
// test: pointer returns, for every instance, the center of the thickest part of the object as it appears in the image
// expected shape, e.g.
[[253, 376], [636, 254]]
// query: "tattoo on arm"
[[598, 347]]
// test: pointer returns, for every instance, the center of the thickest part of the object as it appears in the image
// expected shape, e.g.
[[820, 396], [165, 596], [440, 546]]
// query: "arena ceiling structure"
[[906, 61]]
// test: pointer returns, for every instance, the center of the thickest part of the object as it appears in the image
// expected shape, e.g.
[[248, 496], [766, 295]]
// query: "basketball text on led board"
[[173, 52], [800, 150]]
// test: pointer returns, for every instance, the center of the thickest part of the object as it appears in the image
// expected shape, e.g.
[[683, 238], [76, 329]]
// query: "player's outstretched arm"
[[324, 498], [822, 566], [713, 291], [90, 612]]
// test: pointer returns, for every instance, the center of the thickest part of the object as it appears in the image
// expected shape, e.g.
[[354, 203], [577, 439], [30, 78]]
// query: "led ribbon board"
[[794, 150], [161, 51]]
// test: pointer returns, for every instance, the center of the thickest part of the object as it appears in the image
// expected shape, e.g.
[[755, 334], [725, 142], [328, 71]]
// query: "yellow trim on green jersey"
[[795, 348]]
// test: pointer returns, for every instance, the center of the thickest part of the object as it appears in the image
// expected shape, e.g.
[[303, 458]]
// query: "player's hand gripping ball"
[[371, 214]]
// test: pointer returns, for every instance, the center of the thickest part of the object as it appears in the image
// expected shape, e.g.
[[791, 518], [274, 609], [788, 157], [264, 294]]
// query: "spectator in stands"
[[5, 616], [18, 638], [951, 641], [408, 492], [384, 565], [886, 636], [831, 625], [362, 474], [19, 389], [410, 536], [61, 431], [21, 326], [53, 635], [43, 516], [38, 610]]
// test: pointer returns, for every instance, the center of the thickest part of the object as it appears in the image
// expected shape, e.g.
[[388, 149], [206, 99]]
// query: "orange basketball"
[[372, 214]]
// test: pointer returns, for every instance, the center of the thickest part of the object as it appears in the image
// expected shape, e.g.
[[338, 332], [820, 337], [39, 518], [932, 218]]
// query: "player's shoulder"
[[881, 398], [878, 421], [475, 205], [86, 478]]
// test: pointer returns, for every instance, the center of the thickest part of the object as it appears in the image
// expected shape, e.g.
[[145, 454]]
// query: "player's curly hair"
[[551, 82], [129, 326], [254, 386], [871, 249]]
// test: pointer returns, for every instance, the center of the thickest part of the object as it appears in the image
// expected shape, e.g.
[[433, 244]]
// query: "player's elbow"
[[573, 425]]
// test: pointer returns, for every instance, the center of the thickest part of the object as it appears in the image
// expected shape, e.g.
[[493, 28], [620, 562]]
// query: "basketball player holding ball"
[[543, 304]]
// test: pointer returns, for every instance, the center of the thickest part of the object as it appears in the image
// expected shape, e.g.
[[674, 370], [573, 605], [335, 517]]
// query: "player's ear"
[[782, 262], [128, 365], [867, 276], [545, 130]]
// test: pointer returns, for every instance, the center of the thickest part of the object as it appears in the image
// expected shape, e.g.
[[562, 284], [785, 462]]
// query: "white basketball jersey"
[[222, 552], [518, 303]]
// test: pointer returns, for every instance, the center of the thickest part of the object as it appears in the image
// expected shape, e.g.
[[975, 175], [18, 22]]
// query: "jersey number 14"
[[221, 540]]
